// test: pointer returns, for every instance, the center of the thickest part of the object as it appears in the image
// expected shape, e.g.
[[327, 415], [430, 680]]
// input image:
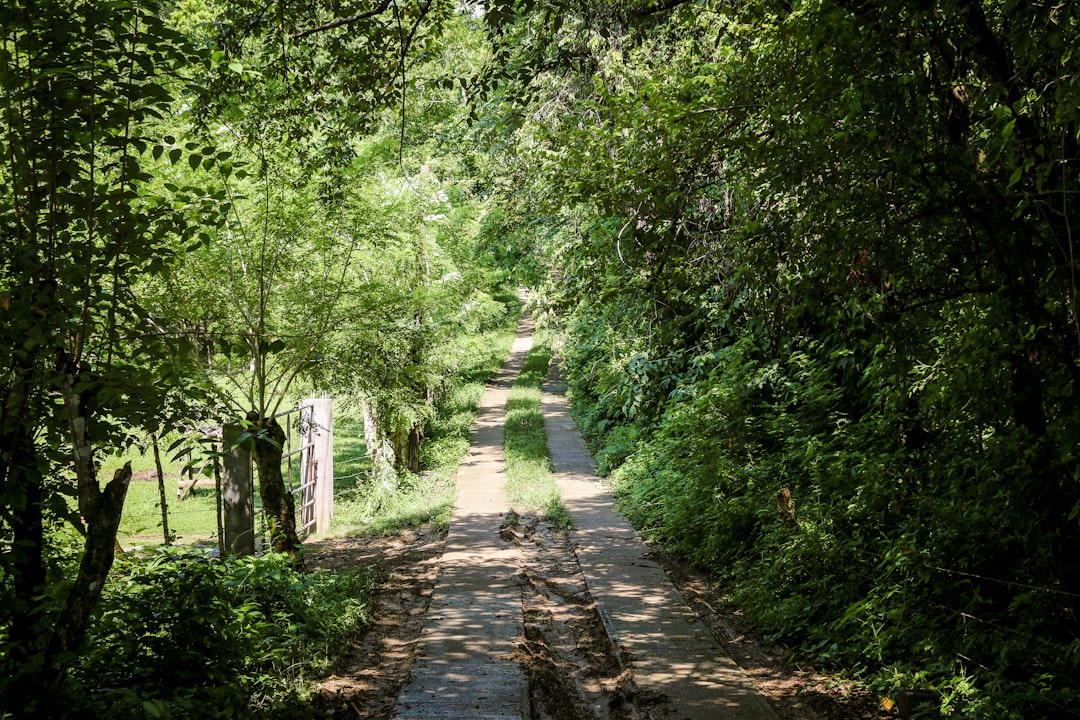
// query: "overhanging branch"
[[378, 10]]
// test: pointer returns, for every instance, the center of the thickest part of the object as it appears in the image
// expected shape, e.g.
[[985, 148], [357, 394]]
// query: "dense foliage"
[[133, 301], [81, 372], [818, 263], [187, 636]]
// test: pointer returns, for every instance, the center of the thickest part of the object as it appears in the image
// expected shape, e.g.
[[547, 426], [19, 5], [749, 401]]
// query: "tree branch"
[[378, 10], [662, 7]]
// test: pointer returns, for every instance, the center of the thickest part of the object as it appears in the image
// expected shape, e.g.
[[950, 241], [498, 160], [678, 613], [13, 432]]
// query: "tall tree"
[[266, 297], [81, 368]]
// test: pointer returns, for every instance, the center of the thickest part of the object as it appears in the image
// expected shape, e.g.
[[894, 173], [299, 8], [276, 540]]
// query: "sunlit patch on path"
[[464, 668], [671, 654]]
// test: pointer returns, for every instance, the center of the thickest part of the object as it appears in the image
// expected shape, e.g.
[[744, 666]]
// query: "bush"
[[181, 635], [873, 527]]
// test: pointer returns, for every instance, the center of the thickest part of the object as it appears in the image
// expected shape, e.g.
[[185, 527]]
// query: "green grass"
[[350, 453], [193, 519], [530, 484]]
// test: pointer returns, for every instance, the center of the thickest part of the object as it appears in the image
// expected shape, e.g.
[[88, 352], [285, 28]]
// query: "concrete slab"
[[671, 654], [464, 667]]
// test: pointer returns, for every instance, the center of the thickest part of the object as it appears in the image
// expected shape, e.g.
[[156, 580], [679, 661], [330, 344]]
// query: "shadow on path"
[[672, 655]]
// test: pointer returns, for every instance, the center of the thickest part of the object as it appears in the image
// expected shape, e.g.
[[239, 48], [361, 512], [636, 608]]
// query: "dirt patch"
[[367, 681], [796, 690]]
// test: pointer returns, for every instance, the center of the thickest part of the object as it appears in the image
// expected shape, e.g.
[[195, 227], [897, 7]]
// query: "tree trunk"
[[21, 479], [276, 499], [161, 491], [379, 449], [413, 456], [27, 524], [399, 441], [101, 510], [102, 514], [218, 497]]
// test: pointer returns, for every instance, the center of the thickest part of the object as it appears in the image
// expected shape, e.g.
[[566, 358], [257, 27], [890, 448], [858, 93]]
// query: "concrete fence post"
[[238, 503]]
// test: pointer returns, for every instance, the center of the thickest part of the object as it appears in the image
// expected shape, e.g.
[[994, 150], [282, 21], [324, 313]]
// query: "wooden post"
[[237, 501], [217, 497], [322, 435]]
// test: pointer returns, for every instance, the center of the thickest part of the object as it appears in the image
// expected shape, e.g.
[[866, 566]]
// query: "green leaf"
[[1016, 175], [154, 708]]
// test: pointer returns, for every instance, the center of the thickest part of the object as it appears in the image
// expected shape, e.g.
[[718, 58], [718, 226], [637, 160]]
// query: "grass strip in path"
[[530, 484]]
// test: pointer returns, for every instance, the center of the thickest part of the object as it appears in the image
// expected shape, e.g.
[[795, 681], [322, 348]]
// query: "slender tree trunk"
[[379, 449], [20, 486], [413, 451], [103, 515], [399, 441], [276, 499], [28, 533], [27, 568], [101, 509], [161, 490], [217, 496]]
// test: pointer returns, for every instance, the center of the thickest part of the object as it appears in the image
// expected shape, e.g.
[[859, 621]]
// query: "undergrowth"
[[843, 529], [364, 506], [184, 636]]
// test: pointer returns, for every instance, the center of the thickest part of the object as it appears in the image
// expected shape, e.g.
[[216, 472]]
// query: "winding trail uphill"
[[487, 640]]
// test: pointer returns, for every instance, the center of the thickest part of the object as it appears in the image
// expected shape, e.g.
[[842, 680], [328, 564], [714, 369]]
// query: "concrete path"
[[672, 655], [464, 669]]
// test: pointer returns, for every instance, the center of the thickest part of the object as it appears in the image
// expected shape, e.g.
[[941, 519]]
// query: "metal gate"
[[309, 454], [301, 426]]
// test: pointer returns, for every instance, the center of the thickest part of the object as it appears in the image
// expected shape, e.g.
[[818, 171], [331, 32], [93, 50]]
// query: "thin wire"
[[350, 477], [997, 673], [1013, 583], [1004, 582]]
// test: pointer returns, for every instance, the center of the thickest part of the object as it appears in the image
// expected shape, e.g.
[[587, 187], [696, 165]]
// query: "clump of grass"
[[426, 499], [530, 484]]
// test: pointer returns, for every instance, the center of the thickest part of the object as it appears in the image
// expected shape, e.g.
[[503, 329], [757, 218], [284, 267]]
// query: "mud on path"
[[367, 681], [573, 670]]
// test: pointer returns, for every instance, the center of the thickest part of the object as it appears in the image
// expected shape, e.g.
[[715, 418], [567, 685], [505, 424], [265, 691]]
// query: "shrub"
[[182, 635]]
